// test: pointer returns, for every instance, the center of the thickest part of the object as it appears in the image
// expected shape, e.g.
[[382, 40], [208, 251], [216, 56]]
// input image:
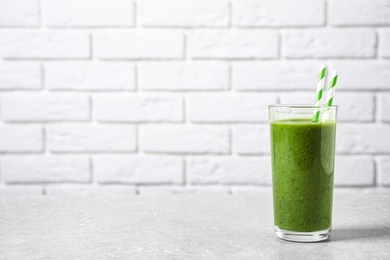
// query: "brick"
[[20, 190], [138, 108], [114, 190], [384, 171], [211, 189], [384, 43], [45, 107], [302, 97], [266, 13], [251, 139], [233, 44], [352, 191], [345, 43], [266, 192], [184, 139], [18, 138], [367, 139], [274, 75], [87, 13], [353, 107], [45, 45], [46, 169], [362, 74], [138, 170], [15, 76], [354, 171], [19, 13], [183, 190], [229, 170], [229, 108], [359, 12], [384, 104], [89, 76], [86, 190], [79, 138], [179, 13], [173, 76], [139, 45]]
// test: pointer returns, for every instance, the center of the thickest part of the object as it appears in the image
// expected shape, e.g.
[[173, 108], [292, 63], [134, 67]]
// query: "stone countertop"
[[183, 227]]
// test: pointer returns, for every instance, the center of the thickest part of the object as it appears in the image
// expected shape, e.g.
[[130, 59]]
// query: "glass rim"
[[301, 106]]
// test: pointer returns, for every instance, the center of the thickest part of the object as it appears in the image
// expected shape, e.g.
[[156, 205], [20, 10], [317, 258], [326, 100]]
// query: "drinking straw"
[[320, 87], [329, 97]]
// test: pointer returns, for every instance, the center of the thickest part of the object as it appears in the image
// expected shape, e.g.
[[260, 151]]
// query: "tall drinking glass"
[[303, 154]]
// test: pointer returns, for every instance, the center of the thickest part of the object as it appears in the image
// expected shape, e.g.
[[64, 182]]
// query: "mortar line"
[[185, 173], [375, 180]]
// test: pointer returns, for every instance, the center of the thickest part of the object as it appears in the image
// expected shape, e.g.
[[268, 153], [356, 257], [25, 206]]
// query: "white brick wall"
[[19, 13], [82, 138], [184, 13], [21, 139], [138, 170], [226, 44], [357, 170], [38, 169], [363, 139], [185, 139], [89, 76], [359, 12], [138, 108], [384, 171], [14, 76], [88, 13], [271, 13], [214, 170], [45, 107], [72, 189], [44, 45], [384, 42], [274, 75], [356, 43], [18, 190], [176, 76], [227, 108], [251, 139], [138, 45], [384, 104], [151, 96]]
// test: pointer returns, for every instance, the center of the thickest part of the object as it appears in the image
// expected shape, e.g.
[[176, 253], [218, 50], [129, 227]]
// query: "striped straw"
[[329, 97], [320, 87]]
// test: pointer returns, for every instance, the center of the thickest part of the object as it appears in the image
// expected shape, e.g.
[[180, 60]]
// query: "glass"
[[303, 154]]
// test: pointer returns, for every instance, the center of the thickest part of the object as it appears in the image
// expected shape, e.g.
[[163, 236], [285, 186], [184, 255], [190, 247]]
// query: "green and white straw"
[[329, 97], [320, 88]]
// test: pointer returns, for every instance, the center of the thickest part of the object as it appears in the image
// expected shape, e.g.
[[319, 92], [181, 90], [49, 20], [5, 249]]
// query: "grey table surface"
[[182, 227]]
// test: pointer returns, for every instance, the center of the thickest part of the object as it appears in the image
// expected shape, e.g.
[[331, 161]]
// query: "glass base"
[[305, 237]]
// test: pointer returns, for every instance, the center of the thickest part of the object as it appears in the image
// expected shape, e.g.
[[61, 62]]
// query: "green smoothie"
[[303, 166]]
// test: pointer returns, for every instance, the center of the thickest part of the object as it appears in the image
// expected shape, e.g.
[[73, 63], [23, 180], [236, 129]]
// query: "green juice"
[[303, 166]]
